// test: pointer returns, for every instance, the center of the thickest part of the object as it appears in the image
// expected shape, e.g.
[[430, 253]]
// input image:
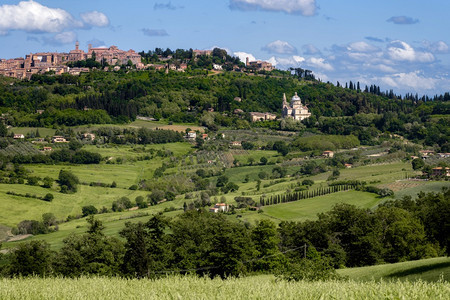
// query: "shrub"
[[49, 197], [307, 182], [89, 210], [68, 181], [122, 204], [140, 202], [309, 270], [133, 187]]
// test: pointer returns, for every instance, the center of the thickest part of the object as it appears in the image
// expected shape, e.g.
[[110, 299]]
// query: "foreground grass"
[[430, 270], [187, 287]]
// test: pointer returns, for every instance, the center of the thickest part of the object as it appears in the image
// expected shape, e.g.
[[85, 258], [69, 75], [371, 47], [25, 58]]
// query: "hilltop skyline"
[[399, 45]]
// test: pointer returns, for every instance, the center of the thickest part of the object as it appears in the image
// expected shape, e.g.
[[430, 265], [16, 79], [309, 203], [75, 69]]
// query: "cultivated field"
[[187, 287]]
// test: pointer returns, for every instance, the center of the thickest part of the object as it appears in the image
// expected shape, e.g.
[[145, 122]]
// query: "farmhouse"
[[235, 144], [220, 207], [191, 135], [257, 116], [440, 171], [88, 136], [19, 136], [58, 139], [426, 153], [328, 153]]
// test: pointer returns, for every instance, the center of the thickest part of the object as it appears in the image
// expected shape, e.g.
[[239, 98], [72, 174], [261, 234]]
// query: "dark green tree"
[[31, 258], [69, 180]]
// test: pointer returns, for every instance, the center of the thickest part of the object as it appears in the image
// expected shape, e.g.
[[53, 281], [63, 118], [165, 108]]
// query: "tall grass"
[[187, 287]]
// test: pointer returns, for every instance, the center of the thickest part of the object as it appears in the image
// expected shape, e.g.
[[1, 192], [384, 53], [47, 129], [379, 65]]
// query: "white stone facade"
[[295, 110]]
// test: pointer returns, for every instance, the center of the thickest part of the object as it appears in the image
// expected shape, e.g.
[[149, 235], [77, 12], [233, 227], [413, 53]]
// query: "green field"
[[432, 269], [307, 209], [188, 287]]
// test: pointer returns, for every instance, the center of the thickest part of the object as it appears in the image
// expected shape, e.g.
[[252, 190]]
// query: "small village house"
[[220, 207], [58, 139], [328, 153]]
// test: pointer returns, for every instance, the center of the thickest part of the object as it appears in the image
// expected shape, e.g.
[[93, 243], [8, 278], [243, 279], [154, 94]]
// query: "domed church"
[[295, 109]]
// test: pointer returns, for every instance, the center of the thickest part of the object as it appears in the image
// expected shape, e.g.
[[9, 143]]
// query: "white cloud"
[[298, 59], [68, 37], [95, 18], [382, 68], [280, 47], [286, 62], [401, 51], [362, 47], [439, 47], [411, 80], [243, 56], [31, 16], [303, 7], [320, 63]]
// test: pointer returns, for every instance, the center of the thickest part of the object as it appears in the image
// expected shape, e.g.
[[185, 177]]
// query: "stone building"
[[295, 109]]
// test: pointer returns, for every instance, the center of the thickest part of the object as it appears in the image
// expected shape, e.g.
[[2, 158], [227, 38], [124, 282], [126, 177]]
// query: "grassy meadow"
[[307, 209], [188, 287], [432, 270]]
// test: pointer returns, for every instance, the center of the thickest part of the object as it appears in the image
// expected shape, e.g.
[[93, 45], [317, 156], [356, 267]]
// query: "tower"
[[77, 46]]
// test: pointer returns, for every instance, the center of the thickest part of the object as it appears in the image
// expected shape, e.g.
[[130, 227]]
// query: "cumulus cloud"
[[412, 80], [401, 51], [62, 38], [31, 16], [320, 63], [439, 47], [280, 47], [243, 56], [154, 32], [95, 18], [286, 62], [303, 7], [310, 49], [403, 20], [362, 47]]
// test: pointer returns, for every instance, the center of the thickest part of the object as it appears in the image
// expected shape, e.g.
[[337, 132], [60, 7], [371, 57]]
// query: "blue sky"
[[398, 44]]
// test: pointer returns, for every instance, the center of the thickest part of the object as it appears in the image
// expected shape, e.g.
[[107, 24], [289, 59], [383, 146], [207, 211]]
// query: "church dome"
[[296, 98]]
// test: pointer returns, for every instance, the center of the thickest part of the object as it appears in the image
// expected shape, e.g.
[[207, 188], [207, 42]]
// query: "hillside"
[[144, 160], [431, 270]]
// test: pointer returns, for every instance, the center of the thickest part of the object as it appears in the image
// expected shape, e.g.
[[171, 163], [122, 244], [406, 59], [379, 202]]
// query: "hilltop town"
[[109, 58]]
